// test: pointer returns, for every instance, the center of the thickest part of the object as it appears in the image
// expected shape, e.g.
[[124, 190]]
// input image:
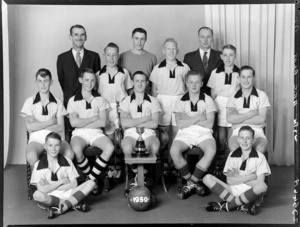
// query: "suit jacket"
[[68, 71], [194, 61]]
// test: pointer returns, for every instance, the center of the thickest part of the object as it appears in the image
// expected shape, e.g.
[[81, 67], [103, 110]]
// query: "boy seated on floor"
[[56, 179], [245, 169]]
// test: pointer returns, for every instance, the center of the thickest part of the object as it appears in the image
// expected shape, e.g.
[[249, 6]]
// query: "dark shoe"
[[81, 207], [215, 206], [148, 181], [202, 189], [259, 201], [97, 189], [249, 209], [187, 190], [52, 212], [43, 207], [132, 183]]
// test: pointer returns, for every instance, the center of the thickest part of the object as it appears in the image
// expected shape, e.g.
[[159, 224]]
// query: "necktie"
[[205, 61], [78, 59]]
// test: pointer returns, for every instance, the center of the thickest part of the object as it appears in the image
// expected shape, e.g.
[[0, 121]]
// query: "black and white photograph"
[[131, 113]]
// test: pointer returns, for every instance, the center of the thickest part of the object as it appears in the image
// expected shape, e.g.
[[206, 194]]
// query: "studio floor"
[[112, 207]]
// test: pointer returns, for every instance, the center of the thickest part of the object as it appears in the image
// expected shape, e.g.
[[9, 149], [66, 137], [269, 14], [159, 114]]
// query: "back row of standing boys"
[[185, 97]]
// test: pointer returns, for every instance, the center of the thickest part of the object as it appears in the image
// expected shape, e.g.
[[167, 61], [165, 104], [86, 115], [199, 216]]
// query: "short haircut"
[[141, 73], [247, 67], [206, 28], [230, 47], [77, 26], [53, 135], [87, 70], [247, 128], [171, 40], [112, 45], [140, 30], [43, 73], [193, 73]]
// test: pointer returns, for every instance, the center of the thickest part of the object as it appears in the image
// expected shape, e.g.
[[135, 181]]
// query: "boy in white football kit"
[[248, 106], [114, 81], [168, 84], [44, 113], [246, 170], [224, 81], [139, 110], [88, 113], [56, 179], [195, 114]]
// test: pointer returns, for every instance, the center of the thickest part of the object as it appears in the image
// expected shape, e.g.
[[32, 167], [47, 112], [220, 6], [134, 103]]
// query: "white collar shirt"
[[74, 52], [202, 53]]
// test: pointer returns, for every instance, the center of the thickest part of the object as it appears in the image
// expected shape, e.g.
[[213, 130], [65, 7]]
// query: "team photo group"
[[203, 100]]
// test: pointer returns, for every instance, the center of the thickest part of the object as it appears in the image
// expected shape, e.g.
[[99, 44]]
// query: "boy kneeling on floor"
[[245, 169], [56, 179]]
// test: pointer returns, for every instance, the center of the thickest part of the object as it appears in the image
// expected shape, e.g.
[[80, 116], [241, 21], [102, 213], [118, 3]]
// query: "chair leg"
[[106, 184], [179, 181], [162, 170], [29, 189], [126, 176]]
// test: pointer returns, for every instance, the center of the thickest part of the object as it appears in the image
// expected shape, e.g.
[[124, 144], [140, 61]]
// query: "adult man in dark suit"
[[204, 59], [70, 65]]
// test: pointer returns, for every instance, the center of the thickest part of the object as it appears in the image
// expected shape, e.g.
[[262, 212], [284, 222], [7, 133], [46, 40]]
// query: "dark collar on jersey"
[[38, 98], [164, 63], [221, 68], [238, 153], [43, 164], [104, 69], [186, 96], [78, 95], [239, 93], [146, 97]]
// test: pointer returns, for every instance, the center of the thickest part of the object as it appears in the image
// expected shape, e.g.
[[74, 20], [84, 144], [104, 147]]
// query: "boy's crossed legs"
[[62, 202], [104, 143], [232, 200]]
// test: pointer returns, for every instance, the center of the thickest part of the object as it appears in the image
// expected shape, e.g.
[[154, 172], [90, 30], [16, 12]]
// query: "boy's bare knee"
[[126, 147], [109, 148], [262, 148], [69, 154], [38, 196], [233, 144], [31, 157], [174, 153], [260, 188], [90, 184], [154, 147], [209, 180]]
